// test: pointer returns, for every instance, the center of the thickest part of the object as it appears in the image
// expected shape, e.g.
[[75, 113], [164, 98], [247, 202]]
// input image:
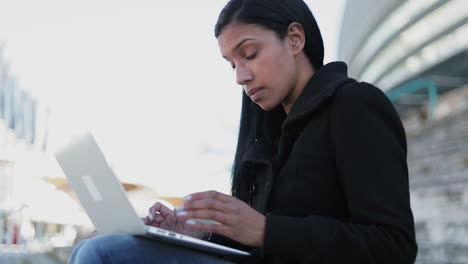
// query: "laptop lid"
[[105, 201], [99, 190]]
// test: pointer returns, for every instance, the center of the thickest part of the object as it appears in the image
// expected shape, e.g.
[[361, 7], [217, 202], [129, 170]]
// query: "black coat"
[[334, 189]]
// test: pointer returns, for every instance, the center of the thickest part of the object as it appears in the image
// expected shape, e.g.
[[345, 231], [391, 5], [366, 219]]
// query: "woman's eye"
[[251, 57]]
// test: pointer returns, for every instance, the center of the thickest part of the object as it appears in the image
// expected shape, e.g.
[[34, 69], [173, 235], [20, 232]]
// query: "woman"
[[320, 173]]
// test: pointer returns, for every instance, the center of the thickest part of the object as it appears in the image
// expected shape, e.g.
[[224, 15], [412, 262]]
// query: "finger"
[[155, 224], [208, 195], [205, 204], [158, 218], [207, 227], [152, 209], [208, 221], [219, 216], [160, 208], [147, 221]]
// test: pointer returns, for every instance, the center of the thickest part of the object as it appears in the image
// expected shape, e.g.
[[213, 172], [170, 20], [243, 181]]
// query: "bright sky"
[[146, 77]]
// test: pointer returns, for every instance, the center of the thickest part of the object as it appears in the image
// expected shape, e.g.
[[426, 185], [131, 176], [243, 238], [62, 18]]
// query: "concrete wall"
[[438, 164], [360, 18]]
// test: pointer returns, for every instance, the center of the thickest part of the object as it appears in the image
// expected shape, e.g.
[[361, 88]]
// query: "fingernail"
[[187, 198], [150, 216], [181, 213], [190, 222], [180, 208]]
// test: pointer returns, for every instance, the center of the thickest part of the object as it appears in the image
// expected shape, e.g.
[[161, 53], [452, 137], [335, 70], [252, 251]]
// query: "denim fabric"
[[125, 248]]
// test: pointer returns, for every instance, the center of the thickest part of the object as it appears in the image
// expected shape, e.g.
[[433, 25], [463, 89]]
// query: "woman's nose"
[[243, 75]]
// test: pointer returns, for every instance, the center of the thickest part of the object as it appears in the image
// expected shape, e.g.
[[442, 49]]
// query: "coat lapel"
[[319, 88]]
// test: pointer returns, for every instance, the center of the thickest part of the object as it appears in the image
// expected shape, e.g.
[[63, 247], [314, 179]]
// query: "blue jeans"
[[125, 248]]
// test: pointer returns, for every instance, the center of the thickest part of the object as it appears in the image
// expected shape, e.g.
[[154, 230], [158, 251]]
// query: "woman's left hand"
[[239, 221]]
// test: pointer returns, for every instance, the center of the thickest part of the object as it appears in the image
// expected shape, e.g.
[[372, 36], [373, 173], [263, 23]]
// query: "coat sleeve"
[[370, 151]]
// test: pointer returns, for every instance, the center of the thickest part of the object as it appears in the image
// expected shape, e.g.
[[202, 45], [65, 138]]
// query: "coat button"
[[253, 189], [267, 184]]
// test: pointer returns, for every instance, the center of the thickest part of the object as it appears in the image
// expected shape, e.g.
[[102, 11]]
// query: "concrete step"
[[27, 258]]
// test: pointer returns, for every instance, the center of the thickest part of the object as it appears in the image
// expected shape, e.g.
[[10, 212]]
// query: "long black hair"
[[276, 15]]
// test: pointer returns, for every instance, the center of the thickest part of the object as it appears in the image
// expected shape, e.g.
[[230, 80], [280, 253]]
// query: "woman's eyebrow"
[[238, 46]]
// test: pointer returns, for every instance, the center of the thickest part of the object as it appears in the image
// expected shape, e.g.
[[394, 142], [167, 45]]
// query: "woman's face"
[[264, 64]]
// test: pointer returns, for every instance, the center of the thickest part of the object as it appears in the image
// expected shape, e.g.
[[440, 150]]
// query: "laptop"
[[106, 203]]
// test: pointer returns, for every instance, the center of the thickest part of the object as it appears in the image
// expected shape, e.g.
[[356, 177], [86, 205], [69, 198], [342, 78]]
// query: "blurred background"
[[148, 80]]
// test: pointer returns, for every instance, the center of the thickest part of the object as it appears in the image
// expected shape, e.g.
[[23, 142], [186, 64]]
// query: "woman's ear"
[[296, 37]]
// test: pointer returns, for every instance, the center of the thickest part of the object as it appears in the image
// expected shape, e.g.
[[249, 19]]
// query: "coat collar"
[[321, 86]]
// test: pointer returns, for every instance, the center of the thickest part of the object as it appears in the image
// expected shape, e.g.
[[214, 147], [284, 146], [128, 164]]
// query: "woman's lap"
[[125, 248]]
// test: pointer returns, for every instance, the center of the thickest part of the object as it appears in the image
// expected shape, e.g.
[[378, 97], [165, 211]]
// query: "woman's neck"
[[306, 71]]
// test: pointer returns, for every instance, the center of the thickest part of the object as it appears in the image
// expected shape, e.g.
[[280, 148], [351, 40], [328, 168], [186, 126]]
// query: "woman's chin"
[[265, 105]]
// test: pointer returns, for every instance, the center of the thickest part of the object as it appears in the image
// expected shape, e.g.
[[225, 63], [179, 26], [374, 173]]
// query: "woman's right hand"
[[162, 217]]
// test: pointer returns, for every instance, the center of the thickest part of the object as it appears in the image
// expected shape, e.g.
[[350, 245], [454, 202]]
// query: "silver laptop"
[[106, 203]]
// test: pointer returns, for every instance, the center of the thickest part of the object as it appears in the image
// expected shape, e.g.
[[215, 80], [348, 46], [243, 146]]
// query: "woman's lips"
[[255, 94]]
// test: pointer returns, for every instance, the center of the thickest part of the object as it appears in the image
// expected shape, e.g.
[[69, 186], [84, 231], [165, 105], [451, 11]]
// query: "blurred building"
[[39, 211], [23, 136], [416, 51], [26, 201], [394, 44]]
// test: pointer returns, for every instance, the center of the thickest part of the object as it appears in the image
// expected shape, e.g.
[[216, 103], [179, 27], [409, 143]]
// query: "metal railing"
[[414, 86]]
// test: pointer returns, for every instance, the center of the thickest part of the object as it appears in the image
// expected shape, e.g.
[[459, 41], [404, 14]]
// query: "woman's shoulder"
[[365, 94], [360, 91], [359, 98]]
